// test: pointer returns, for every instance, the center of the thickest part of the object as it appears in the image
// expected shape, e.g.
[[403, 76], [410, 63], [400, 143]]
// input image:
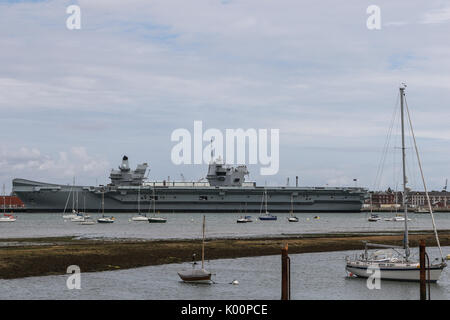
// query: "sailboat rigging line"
[[380, 168], [423, 181], [405, 191], [262, 203], [67, 201]]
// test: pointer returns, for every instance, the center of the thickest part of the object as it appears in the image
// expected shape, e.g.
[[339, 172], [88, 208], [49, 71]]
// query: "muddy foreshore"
[[28, 257]]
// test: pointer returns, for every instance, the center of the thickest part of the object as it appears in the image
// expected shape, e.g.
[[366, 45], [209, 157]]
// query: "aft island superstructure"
[[225, 191]]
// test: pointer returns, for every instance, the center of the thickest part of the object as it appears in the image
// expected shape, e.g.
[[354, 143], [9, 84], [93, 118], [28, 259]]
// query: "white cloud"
[[31, 163], [436, 16], [139, 69]]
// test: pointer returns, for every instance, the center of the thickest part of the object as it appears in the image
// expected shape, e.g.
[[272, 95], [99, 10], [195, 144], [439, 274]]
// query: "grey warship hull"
[[44, 197], [225, 191]]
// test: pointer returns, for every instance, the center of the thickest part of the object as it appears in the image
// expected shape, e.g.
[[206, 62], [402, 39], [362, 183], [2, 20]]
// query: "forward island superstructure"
[[225, 191]]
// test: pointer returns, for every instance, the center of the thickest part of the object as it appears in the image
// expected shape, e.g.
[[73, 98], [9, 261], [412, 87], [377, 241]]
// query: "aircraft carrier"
[[225, 191]]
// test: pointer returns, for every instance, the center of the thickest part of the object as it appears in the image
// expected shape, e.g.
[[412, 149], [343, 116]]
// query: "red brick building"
[[10, 202]]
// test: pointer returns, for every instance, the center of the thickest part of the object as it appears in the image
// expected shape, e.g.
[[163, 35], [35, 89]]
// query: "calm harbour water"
[[313, 276], [217, 225]]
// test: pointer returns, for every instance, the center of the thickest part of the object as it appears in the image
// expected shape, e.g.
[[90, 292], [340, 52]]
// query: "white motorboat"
[[397, 218], [105, 219], [7, 218], [87, 222], [397, 263]]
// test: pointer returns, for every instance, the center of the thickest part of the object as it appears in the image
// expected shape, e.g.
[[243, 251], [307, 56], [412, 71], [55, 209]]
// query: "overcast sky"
[[73, 102]]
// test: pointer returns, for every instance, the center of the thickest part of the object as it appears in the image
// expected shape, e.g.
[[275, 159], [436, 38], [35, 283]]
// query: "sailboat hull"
[[267, 218], [142, 218], [399, 272], [195, 276]]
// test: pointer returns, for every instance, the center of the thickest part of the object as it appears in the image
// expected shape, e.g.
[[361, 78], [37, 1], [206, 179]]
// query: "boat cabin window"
[[203, 198]]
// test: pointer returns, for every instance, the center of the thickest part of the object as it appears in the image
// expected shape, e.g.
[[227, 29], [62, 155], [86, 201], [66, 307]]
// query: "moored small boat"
[[291, 217], [197, 275], [7, 218], [139, 218], [87, 222], [266, 216], [157, 220], [245, 219], [105, 219], [397, 263]]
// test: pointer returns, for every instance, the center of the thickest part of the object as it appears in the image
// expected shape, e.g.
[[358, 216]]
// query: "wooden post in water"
[[423, 286], [285, 274]]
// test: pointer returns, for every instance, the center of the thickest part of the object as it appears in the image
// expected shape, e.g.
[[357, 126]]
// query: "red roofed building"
[[10, 202]]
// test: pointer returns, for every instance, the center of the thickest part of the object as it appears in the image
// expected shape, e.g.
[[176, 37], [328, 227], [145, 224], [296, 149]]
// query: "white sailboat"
[[373, 217], [244, 219], [104, 219], [197, 275], [396, 263], [75, 214], [422, 210], [156, 218], [266, 216], [291, 217], [81, 216], [140, 217]]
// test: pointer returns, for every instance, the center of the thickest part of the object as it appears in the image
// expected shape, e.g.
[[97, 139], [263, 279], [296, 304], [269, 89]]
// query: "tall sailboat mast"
[[265, 193], [4, 199], [139, 200], [73, 195], [405, 195], [203, 244], [103, 203]]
